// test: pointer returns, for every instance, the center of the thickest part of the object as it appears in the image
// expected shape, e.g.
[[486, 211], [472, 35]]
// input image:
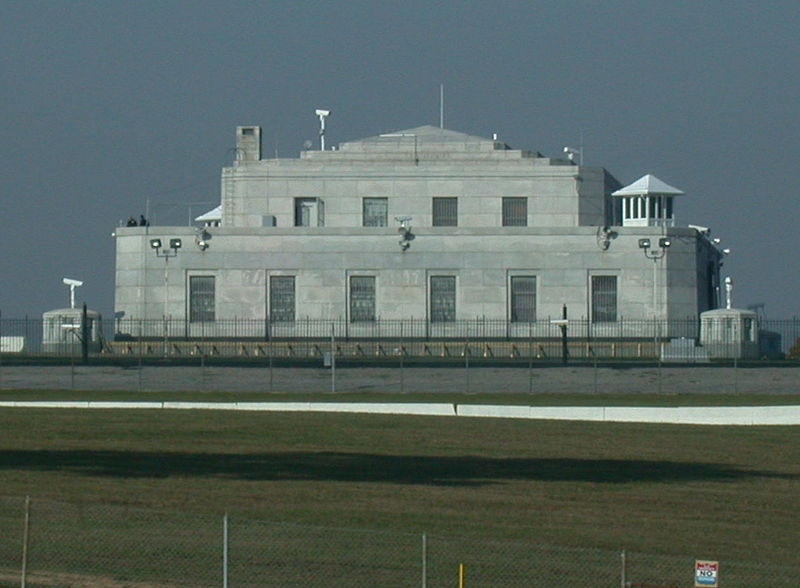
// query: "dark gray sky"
[[106, 104]]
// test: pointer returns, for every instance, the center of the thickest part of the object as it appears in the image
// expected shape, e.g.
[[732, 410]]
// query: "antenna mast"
[[441, 106], [322, 114]]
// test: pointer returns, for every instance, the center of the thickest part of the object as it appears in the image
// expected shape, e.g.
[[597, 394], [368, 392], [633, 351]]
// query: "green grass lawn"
[[727, 491]]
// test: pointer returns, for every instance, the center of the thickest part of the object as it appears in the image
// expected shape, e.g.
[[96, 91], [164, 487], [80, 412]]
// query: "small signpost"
[[706, 573]]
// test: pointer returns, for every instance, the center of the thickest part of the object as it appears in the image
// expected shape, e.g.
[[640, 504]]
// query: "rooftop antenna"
[[72, 285], [322, 114], [728, 292], [441, 106], [572, 151]]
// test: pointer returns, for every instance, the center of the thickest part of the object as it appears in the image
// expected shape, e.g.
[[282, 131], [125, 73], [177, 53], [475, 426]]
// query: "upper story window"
[[375, 212], [201, 298], [445, 212], [309, 212], [515, 212]]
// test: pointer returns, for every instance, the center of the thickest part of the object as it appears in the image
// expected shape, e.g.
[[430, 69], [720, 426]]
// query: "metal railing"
[[624, 339]]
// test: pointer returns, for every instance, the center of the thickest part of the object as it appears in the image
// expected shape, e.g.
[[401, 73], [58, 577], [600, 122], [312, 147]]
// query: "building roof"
[[648, 185], [426, 137]]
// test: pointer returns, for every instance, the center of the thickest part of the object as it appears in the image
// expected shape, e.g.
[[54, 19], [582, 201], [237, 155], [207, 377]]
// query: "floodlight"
[[664, 242], [155, 243], [175, 243], [644, 243]]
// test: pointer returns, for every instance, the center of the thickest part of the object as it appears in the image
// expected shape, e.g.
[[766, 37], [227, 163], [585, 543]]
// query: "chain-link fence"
[[260, 380], [48, 544]]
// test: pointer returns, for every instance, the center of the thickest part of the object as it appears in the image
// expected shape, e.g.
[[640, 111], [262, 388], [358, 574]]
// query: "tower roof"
[[648, 185]]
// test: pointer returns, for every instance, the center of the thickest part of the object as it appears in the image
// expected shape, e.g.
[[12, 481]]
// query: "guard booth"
[[63, 331], [729, 333]]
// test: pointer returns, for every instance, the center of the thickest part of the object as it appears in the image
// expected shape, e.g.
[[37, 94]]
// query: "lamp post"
[[166, 253], [663, 244]]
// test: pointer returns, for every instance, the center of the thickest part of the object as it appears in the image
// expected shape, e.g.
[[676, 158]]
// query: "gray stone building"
[[425, 224]]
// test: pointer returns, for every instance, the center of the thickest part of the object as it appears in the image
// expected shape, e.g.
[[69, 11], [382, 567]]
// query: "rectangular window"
[[445, 212], [281, 298], [201, 299], [515, 212], [376, 212], [443, 299], [362, 298], [309, 212], [604, 299], [523, 299]]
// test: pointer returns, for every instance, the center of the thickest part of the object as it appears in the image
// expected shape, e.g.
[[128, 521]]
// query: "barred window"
[[201, 298], [362, 298], [604, 299], [443, 299], [445, 212], [281, 298], [375, 212], [515, 212], [523, 299]]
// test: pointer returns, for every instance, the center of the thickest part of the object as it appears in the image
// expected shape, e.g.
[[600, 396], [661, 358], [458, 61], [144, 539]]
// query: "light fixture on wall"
[[664, 243], [604, 237], [201, 239], [406, 236], [166, 253]]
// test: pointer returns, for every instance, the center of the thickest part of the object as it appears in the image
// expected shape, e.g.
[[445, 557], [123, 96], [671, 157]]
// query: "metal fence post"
[[402, 353], [623, 571], [333, 357], [466, 360], [424, 561], [225, 551], [26, 528]]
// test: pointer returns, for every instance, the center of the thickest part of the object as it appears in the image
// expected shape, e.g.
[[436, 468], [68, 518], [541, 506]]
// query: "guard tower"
[[647, 203]]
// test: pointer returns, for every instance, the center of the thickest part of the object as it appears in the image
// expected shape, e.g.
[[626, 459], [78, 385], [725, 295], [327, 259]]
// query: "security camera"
[[71, 282], [320, 112]]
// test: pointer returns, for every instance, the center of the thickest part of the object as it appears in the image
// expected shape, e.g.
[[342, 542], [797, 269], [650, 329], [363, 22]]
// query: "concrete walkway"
[[685, 415]]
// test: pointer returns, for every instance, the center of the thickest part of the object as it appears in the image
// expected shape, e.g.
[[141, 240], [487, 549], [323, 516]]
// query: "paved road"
[[560, 380]]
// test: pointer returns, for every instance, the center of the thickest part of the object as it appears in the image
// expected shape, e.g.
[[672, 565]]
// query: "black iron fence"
[[548, 339]]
